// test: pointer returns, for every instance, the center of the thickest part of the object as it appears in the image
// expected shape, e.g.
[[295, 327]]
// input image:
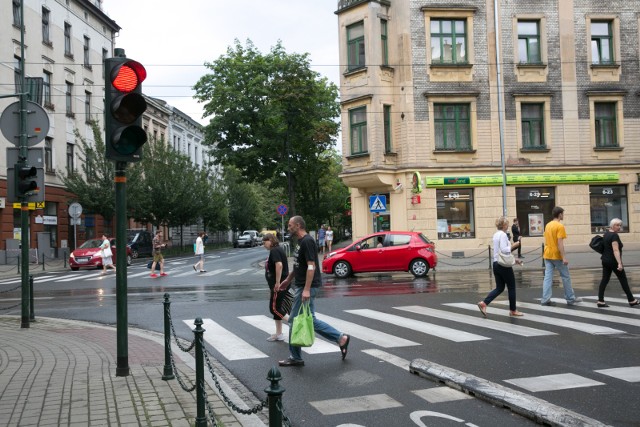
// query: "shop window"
[[533, 209], [606, 203], [455, 213]]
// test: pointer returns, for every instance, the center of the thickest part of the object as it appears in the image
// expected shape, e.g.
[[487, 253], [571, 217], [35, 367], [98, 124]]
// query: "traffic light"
[[124, 105], [26, 181]]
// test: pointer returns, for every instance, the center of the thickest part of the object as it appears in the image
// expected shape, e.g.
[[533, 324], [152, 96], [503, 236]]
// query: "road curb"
[[523, 404]]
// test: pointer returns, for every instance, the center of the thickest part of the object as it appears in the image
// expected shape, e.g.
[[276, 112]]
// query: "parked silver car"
[[249, 238]]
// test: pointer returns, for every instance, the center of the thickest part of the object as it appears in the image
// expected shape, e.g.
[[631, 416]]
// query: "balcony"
[[347, 4]]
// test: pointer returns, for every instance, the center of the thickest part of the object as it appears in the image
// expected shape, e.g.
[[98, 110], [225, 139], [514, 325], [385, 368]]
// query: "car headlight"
[[329, 255], [72, 256]]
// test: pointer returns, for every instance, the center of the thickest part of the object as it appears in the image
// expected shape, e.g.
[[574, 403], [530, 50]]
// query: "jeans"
[[504, 276], [320, 327], [549, 266]]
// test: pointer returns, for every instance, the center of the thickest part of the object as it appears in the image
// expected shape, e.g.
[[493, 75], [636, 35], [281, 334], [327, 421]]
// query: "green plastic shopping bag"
[[302, 333]]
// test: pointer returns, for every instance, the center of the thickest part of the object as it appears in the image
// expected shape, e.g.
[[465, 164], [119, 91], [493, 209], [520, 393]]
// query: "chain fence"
[[462, 260], [277, 416]]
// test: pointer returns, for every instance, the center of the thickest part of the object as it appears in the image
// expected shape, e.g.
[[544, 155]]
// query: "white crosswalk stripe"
[[627, 309], [227, 343], [369, 335], [240, 272], [77, 276], [214, 272]]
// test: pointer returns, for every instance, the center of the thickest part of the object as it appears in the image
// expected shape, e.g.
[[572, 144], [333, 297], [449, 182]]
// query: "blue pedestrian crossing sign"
[[377, 203]]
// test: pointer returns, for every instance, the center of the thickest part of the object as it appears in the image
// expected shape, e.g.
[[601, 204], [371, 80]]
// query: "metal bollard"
[[19, 264], [32, 314], [542, 256], [64, 257], [201, 419], [42, 262], [168, 369], [274, 393], [490, 258]]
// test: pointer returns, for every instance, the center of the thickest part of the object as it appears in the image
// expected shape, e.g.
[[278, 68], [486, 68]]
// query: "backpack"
[[597, 244]]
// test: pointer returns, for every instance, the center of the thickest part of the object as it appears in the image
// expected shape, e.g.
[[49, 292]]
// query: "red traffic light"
[[128, 76]]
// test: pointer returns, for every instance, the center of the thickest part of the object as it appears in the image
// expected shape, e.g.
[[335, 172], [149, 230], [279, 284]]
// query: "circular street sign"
[[75, 210], [37, 123], [282, 209]]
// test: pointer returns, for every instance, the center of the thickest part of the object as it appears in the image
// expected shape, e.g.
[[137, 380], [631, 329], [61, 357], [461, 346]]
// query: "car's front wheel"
[[419, 267], [134, 254], [342, 269]]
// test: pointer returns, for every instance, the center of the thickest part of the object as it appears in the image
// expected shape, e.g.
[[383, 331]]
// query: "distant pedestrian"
[[503, 275], [306, 284], [328, 238], [276, 270], [555, 258], [321, 235], [517, 238], [205, 238], [158, 245], [612, 262], [199, 253], [107, 255]]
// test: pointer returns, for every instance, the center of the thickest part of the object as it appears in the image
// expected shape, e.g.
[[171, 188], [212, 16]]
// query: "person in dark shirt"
[[276, 270], [306, 280], [612, 262], [515, 234]]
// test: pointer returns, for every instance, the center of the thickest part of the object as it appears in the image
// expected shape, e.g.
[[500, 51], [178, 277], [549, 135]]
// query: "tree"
[[244, 206], [270, 114]]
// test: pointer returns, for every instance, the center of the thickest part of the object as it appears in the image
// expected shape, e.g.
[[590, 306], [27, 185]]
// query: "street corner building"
[[445, 104]]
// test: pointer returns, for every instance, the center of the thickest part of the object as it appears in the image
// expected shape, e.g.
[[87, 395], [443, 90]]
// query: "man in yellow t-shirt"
[[555, 259]]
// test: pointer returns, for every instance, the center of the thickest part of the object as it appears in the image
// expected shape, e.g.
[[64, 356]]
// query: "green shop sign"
[[526, 178]]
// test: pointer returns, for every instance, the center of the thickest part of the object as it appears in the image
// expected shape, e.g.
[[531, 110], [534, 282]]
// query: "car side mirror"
[[358, 247]]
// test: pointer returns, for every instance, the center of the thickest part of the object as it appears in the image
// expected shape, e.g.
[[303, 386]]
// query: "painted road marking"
[[553, 382], [389, 358], [355, 404], [363, 333], [226, 343], [441, 394], [630, 373]]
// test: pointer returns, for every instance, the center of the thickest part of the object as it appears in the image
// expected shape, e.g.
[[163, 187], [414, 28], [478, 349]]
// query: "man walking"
[[306, 283], [321, 235], [515, 234], [157, 254], [555, 258]]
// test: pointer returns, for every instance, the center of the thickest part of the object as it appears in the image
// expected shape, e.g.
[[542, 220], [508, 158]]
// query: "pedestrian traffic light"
[[124, 105], [26, 181]]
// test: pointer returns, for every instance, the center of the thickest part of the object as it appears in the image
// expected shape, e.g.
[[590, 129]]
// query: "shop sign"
[[49, 220], [415, 200], [523, 179]]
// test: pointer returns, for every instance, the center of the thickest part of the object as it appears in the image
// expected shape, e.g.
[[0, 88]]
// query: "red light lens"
[[126, 80]]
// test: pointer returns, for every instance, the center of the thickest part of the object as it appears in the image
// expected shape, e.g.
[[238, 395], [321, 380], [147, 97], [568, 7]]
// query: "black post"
[[168, 369], [43, 261], [542, 256], [201, 418], [490, 258], [274, 393], [64, 257], [122, 367], [32, 314]]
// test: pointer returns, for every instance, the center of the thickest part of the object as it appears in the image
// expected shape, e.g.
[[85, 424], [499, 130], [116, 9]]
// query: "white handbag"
[[505, 260], [106, 252]]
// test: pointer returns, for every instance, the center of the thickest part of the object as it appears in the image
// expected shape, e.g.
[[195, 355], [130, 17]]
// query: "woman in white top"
[[106, 255], [503, 275], [200, 254], [328, 238]]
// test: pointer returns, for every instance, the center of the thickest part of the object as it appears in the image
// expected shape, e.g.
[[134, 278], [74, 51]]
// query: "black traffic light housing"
[[124, 105], [26, 181]]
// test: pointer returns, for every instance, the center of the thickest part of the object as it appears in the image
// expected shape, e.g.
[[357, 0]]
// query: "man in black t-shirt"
[[306, 283]]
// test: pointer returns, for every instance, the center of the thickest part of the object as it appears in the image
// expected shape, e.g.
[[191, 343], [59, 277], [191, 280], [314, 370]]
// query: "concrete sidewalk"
[[62, 372]]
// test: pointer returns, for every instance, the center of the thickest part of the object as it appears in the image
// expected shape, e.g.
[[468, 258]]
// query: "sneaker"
[[483, 308], [194, 268], [163, 274], [153, 275], [548, 303], [276, 338], [291, 362], [574, 301], [203, 271]]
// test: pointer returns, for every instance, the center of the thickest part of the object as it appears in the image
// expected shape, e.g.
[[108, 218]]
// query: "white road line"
[[561, 323], [509, 328], [627, 309], [267, 325], [214, 272], [228, 344], [553, 382], [389, 358], [39, 279], [441, 394], [77, 277], [241, 271], [355, 404], [363, 333], [416, 325], [629, 373], [600, 315]]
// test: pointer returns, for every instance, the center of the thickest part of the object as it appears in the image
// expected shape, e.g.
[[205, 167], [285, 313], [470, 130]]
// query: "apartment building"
[[65, 42], [446, 126]]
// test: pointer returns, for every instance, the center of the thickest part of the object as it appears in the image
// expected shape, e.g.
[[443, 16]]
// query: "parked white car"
[[249, 238]]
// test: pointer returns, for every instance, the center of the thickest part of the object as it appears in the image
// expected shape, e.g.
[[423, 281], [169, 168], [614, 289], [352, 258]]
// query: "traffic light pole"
[[24, 205], [122, 367]]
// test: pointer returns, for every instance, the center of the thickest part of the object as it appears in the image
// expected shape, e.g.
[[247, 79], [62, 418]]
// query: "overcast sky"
[[173, 39]]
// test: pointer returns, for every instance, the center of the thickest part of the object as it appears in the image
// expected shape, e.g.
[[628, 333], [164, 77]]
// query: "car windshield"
[[133, 237], [91, 244]]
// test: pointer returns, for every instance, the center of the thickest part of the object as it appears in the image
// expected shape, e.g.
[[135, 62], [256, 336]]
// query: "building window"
[[104, 57], [358, 128], [16, 13], [17, 74], [384, 43], [601, 42], [69, 98], [46, 89], [605, 118], [87, 107], [608, 202], [67, 40], [533, 209], [532, 126], [70, 157], [387, 128], [455, 213], [529, 42], [355, 46], [452, 127], [445, 35], [87, 46], [48, 154], [45, 26]]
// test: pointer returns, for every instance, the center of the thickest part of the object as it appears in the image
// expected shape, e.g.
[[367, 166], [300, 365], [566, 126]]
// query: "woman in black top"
[[276, 270], [612, 262]]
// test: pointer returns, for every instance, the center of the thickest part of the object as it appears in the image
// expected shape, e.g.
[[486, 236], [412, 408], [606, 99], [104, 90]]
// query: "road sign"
[[75, 210], [282, 209], [37, 123], [377, 203]]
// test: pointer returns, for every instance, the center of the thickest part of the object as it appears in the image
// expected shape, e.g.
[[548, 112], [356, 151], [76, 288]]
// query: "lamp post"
[[500, 109]]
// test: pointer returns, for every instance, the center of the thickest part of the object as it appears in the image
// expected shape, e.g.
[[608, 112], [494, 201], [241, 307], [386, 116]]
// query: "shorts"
[[321, 242], [200, 257], [158, 258]]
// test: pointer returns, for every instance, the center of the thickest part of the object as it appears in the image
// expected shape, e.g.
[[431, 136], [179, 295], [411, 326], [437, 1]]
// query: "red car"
[[88, 254], [384, 251]]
